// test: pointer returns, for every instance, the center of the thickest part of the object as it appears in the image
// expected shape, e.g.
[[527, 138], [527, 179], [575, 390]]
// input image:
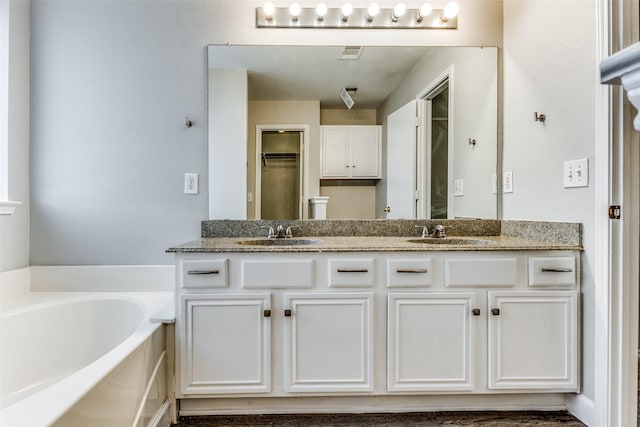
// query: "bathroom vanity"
[[376, 316]]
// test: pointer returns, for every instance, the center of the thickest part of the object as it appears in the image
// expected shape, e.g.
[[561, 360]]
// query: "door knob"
[[387, 209]]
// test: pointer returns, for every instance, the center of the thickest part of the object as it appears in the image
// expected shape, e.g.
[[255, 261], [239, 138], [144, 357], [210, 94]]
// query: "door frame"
[[423, 146], [304, 163]]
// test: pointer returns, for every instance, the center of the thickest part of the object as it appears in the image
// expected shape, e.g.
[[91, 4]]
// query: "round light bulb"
[[425, 10], [450, 10], [373, 10], [321, 10], [294, 9], [399, 10], [269, 9], [347, 9]]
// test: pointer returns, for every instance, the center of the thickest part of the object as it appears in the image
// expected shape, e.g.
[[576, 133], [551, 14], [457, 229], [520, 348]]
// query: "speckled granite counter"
[[385, 235]]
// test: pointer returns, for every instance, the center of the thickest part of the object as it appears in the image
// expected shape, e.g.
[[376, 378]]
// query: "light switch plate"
[[458, 187], [576, 173], [507, 182], [190, 183]]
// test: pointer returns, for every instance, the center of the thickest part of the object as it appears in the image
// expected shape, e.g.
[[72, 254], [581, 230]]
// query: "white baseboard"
[[102, 278], [581, 407], [161, 418]]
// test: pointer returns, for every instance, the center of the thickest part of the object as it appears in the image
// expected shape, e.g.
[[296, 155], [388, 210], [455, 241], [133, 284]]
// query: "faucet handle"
[[425, 230], [289, 233], [271, 232]]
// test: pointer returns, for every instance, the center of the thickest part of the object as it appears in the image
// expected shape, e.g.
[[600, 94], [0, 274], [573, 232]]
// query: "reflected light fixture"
[[398, 11], [372, 11], [293, 15], [346, 10], [321, 11], [450, 11], [425, 10]]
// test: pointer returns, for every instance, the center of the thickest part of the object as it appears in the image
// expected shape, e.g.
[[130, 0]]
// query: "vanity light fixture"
[[321, 11], [398, 11], [373, 16]]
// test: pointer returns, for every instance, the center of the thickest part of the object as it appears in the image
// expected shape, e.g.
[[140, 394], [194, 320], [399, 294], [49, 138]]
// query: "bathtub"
[[83, 359]]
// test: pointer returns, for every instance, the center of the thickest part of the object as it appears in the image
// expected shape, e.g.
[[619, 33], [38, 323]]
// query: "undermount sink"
[[452, 241], [279, 242]]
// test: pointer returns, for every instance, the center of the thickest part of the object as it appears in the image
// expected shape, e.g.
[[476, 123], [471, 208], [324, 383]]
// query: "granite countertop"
[[370, 244], [384, 236]]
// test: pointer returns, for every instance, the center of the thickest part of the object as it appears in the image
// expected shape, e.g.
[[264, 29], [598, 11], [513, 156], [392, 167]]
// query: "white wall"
[[550, 66], [112, 82], [14, 229]]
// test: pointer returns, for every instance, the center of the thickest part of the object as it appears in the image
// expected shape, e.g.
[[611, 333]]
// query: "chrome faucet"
[[279, 232], [439, 231]]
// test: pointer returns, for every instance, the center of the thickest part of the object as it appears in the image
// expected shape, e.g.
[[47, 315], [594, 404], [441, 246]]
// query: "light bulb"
[[294, 9], [425, 10], [347, 9], [372, 11], [321, 10], [450, 10], [398, 11], [269, 9]]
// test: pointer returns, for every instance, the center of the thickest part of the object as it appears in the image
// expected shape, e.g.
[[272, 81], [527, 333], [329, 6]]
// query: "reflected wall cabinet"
[[351, 152]]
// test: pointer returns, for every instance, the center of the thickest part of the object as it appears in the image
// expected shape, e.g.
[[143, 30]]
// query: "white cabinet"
[[431, 341], [533, 340], [329, 342], [225, 343], [351, 152]]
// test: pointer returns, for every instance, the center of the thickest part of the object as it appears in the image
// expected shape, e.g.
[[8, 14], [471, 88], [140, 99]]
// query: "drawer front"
[[409, 272], [276, 273], [552, 271], [481, 272], [347, 273], [197, 274]]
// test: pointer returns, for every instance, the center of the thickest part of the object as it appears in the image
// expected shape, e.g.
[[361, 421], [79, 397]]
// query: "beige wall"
[[284, 113], [350, 202]]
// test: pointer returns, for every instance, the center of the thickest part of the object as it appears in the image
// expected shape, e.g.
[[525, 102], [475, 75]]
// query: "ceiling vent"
[[351, 52]]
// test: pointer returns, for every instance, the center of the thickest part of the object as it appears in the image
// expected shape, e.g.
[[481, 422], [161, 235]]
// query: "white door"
[[329, 342], [364, 151], [335, 146], [533, 340], [401, 158], [431, 341], [225, 344]]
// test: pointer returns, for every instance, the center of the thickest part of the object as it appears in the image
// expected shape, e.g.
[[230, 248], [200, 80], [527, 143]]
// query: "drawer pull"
[[495, 311], [202, 272], [287, 313], [353, 270], [556, 270], [267, 313], [475, 312], [412, 270]]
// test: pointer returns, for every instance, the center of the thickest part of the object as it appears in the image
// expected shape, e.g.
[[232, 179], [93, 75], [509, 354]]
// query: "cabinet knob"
[[476, 312], [267, 313], [495, 311], [287, 313]]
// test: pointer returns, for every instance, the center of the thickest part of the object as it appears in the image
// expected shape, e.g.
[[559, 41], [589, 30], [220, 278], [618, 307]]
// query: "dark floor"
[[422, 419]]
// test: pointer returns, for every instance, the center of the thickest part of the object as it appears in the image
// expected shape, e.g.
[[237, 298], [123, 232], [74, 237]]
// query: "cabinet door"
[[533, 340], [225, 345], [329, 342], [365, 151], [431, 341], [335, 152]]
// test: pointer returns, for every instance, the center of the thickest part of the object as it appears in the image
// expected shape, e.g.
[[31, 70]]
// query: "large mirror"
[[272, 110]]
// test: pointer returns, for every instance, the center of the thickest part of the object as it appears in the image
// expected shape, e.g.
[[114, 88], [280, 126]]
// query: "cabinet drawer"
[[348, 273], [276, 273], [552, 271], [481, 272], [408, 272], [204, 273]]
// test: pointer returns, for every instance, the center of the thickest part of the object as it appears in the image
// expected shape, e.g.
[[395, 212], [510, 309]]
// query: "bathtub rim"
[[157, 309]]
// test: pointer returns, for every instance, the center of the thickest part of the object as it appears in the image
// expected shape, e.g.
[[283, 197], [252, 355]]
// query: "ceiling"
[[319, 72]]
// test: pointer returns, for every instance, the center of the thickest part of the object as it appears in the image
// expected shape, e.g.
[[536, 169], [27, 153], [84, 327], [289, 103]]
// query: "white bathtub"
[[83, 359]]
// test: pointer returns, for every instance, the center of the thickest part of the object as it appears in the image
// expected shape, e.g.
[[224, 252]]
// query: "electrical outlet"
[[576, 173], [507, 182], [458, 187], [249, 197], [190, 183]]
